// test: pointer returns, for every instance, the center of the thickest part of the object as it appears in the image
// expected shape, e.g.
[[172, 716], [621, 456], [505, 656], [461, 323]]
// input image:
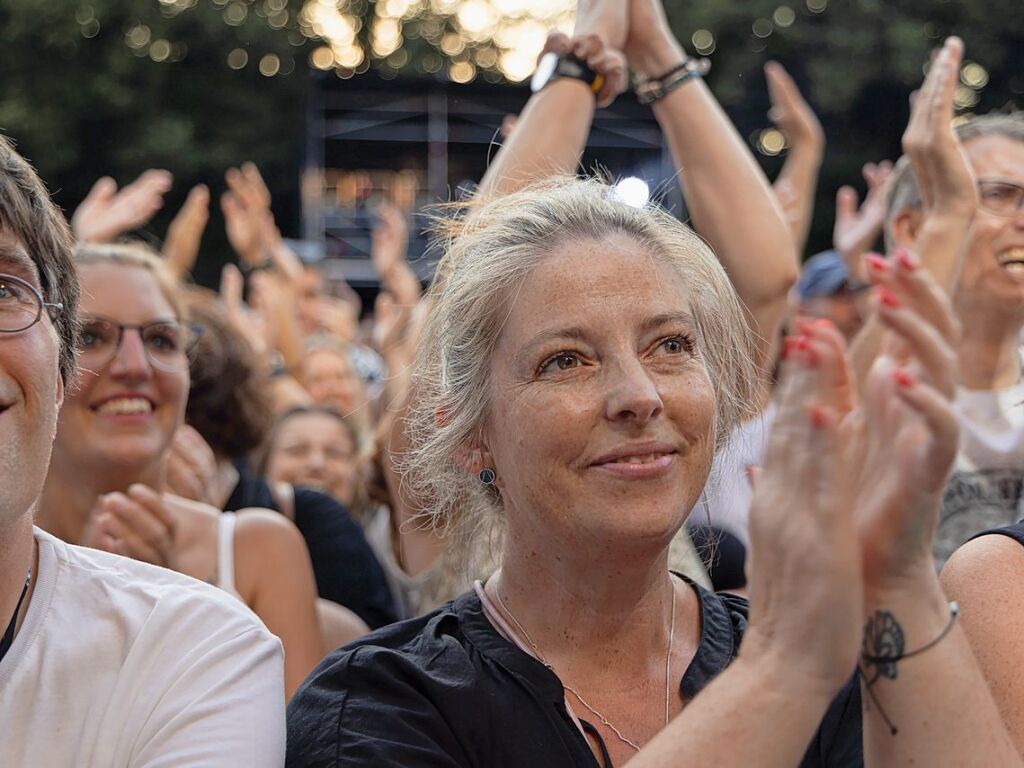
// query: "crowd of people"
[[610, 491]]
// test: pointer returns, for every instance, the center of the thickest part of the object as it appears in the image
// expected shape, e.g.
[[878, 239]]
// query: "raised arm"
[[798, 180], [948, 192], [729, 199], [552, 129]]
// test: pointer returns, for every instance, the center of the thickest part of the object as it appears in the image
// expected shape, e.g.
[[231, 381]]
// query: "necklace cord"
[[604, 720], [8, 639]]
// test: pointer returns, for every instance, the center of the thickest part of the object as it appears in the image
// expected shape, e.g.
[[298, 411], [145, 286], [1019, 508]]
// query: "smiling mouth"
[[1012, 260], [125, 406], [641, 460]]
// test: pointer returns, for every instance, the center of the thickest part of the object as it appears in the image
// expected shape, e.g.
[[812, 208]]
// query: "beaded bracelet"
[[656, 88]]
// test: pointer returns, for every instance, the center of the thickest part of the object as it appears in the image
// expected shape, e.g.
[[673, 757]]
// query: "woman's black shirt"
[[446, 689], [346, 570]]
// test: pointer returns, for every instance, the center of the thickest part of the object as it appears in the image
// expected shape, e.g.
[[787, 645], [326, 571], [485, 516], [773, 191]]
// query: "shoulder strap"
[[226, 553]]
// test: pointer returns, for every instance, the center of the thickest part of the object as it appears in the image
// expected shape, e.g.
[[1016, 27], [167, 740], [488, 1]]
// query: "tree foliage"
[[94, 87]]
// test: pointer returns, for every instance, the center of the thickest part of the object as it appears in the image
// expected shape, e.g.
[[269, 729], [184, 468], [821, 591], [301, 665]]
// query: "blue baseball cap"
[[824, 274]]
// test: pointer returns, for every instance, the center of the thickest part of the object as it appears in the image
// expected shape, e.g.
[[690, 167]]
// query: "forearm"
[[548, 139], [800, 177], [937, 701], [729, 199], [754, 713], [941, 244]]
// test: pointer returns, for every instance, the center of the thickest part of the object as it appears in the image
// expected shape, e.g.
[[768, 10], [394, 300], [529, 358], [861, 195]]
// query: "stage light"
[[632, 191]]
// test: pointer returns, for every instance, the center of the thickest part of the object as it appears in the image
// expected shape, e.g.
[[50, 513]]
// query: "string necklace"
[[8, 639], [604, 720]]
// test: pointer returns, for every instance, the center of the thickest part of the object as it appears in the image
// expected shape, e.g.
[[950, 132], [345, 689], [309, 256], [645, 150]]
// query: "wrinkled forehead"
[[995, 156]]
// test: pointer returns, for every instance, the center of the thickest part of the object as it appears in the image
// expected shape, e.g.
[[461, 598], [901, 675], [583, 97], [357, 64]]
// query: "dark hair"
[[27, 213], [903, 192], [228, 403]]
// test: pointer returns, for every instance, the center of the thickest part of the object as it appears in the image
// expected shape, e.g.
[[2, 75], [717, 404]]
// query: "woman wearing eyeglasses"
[[105, 485]]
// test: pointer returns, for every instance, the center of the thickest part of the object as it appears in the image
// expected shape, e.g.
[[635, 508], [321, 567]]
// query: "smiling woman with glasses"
[[168, 344], [106, 486]]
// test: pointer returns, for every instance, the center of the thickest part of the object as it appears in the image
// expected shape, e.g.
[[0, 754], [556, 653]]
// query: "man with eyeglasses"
[[104, 661], [985, 490]]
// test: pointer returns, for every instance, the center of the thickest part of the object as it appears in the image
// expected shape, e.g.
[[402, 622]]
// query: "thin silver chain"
[[604, 720]]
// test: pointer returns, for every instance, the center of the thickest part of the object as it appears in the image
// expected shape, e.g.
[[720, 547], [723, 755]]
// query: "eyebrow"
[[577, 333], [15, 257]]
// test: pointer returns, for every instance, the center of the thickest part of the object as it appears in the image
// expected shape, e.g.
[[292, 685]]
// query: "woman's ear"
[[474, 458]]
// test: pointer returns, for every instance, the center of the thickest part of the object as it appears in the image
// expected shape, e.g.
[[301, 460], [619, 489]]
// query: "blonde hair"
[[487, 255], [134, 254]]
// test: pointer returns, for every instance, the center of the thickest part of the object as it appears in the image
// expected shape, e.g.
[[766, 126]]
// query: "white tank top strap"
[[226, 553]]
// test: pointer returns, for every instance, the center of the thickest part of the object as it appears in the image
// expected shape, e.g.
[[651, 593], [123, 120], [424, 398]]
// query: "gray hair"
[[903, 191], [488, 253]]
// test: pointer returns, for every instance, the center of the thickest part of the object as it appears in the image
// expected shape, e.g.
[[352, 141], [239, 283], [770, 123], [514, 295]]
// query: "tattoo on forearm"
[[881, 649]]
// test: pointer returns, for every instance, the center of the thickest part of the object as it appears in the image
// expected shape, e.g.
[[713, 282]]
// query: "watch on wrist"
[[552, 66]]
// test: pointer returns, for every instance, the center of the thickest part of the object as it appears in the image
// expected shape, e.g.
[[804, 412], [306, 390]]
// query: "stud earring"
[[487, 476]]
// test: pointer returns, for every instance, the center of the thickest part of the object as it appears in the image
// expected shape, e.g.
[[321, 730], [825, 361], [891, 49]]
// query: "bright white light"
[[632, 191]]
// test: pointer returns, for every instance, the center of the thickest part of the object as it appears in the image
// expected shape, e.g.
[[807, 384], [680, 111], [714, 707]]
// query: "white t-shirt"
[[119, 663], [985, 490]]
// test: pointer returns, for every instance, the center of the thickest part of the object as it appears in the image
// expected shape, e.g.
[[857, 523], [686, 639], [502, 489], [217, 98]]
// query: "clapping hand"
[[192, 467], [857, 228], [181, 246], [106, 213], [136, 524]]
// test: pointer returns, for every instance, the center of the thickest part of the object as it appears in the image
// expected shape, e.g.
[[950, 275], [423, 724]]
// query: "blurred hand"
[[906, 437], [790, 112], [940, 165], [651, 49], [181, 246], [192, 468], [247, 216], [803, 539], [598, 55], [136, 524], [106, 213], [248, 324], [606, 19], [858, 228], [390, 240]]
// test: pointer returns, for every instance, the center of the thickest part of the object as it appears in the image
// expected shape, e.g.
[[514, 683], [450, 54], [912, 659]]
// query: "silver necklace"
[[604, 720]]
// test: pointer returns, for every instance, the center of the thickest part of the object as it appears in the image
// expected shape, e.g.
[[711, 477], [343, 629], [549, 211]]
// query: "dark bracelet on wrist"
[[870, 660], [656, 88]]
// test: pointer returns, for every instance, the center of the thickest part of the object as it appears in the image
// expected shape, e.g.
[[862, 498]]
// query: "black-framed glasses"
[[168, 344], [1003, 198], [21, 304]]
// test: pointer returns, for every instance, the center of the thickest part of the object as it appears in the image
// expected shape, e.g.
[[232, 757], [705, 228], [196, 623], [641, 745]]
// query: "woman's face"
[[330, 380], [123, 412], [602, 414], [315, 450]]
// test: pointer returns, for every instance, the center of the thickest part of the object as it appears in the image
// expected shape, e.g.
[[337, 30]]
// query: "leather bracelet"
[[651, 90]]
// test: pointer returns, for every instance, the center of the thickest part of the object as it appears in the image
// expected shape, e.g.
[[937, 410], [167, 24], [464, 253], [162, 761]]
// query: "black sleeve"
[[346, 570], [369, 708], [839, 741]]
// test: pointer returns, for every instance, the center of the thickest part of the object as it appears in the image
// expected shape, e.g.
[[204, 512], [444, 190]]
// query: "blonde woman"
[[580, 365]]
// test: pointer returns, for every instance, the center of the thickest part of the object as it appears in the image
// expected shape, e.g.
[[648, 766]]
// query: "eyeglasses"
[[168, 344], [1000, 197], [21, 305]]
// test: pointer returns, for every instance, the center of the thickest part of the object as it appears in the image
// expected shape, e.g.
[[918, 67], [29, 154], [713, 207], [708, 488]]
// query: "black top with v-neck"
[[446, 689]]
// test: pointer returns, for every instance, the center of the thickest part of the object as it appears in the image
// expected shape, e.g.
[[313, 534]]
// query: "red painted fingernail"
[[877, 263], [801, 344], [824, 323], [818, 417], [889, 298], [907, 260], [903, 378]]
